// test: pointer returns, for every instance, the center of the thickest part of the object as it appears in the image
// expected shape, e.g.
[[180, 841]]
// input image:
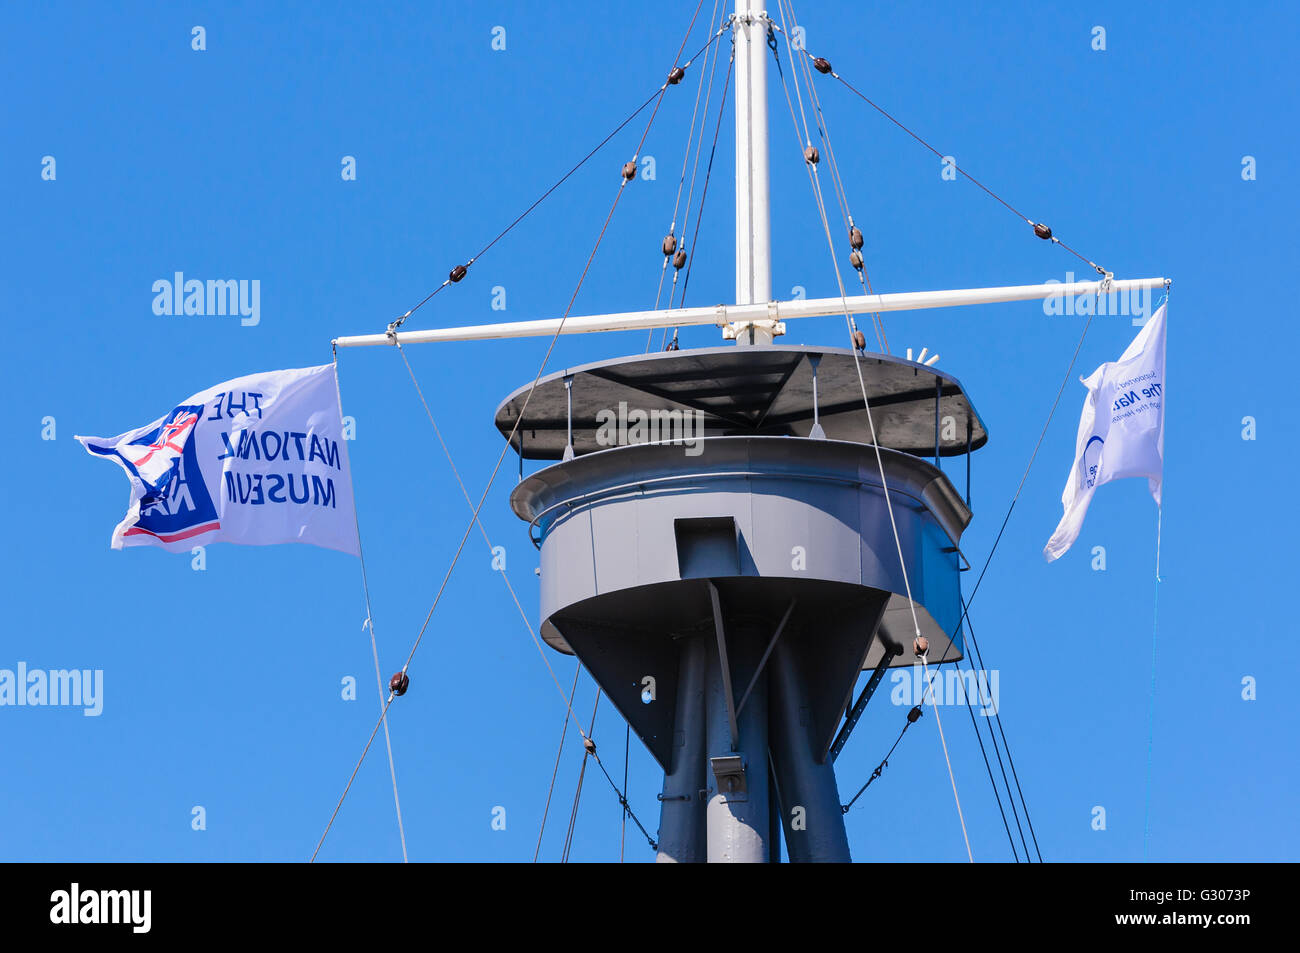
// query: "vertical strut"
[[753, 238], [861, 704]]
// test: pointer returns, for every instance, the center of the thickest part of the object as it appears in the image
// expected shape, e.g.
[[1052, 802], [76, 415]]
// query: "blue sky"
[[222, 687]]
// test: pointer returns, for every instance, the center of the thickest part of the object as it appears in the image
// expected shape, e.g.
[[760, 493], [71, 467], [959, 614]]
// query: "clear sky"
[[222, 687]]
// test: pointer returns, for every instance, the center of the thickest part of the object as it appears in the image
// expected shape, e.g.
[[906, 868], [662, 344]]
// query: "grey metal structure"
[[742, 570], [743, 567]]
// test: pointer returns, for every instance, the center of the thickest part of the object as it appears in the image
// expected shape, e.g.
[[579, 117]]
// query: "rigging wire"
[[912, 716], [686, 158], [1005, 744], [889, 505], [965, 616], [966, 602], [374, 649], [1151, 703], [859, 263], [364, 751], [823, 130], [627, 756], [987, 767], [622, 798], [708, 175], [1042, 231], [459, 271], [519, 420], [699, 146], [483, 530], [1069, 371], [568, 699], [821, 205], [564, 732], [540, 370], [397, 323], [587, 749], [695, 168]]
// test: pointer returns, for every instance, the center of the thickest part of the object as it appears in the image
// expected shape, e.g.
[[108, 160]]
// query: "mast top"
[[768, 392], [753, 206]]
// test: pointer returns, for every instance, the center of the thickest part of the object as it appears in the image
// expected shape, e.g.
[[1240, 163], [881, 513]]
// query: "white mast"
[[753, 225], [755, 318], [722, 315]]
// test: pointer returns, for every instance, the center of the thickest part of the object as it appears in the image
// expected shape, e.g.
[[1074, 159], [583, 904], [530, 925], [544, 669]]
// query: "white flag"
[[1121, 430], [257, 460]]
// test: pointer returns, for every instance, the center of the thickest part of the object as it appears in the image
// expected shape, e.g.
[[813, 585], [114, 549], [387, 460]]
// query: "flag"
[[257, 460], [1121, 429]]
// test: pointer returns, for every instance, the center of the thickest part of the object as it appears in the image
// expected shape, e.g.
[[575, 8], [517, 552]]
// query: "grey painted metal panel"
[[608, 519], [741, 391], [706, 547], [654, 557]]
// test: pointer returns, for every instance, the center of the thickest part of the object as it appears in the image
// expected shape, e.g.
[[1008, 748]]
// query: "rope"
[[1069, 371], [823, 129], [966, 603], [656, 95], [695, 168], [681, 181], [627, 755], [877, 322], [987, 767], [587, 749], [364, 752], [525, 213], [708, 175], [568, 710], [889, 506], [997, 717], [699, 146], [1056, 241], [884, 762], [492, 479], [482, 529], [374, 650], [514, 596], [947, 760], [622, 799], [1151, 703], [527, 399]]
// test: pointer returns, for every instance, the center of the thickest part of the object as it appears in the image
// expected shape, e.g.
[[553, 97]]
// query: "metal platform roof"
[[765, 390]]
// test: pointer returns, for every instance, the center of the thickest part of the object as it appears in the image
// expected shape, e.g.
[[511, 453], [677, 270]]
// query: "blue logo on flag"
[[176, 504]]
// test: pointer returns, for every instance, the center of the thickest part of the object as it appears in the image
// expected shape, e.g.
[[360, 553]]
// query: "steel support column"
[[810, 800], [681, 818], [737, 815]]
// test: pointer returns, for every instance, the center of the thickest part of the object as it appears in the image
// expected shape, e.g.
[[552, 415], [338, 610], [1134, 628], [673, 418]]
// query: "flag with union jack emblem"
[[257, 460]]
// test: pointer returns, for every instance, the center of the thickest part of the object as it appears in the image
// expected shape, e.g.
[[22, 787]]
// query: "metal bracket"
[[731, 332], [729, 770], [818, 432], [568, 393], [763, 661], [773, 319], [725, 665], [859, 707]]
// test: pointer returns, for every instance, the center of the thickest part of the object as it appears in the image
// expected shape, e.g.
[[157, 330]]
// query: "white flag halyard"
[[1121, 430], [257, 460]]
